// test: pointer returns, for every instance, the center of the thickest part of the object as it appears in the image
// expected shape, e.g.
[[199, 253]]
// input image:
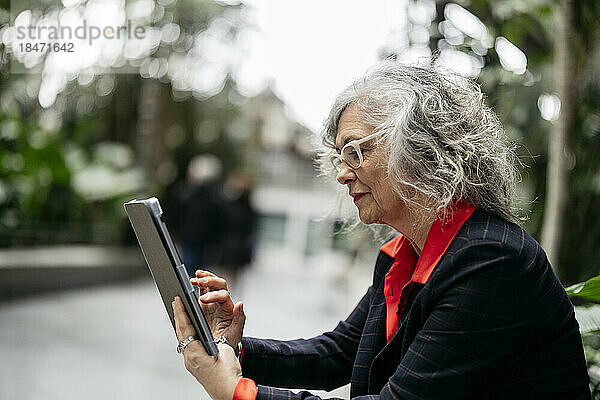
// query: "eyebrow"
[[347, 139]]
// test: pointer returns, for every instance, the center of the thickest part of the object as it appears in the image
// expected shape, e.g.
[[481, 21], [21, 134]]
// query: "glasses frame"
[[356, 145]]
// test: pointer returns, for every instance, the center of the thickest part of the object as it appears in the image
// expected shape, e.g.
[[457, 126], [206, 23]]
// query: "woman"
[[463, 303]]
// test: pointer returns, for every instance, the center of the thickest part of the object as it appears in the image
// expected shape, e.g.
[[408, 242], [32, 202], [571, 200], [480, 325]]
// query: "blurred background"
[[214, 112]]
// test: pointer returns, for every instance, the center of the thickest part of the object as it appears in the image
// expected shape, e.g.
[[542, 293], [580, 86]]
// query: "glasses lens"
[[351, 156]]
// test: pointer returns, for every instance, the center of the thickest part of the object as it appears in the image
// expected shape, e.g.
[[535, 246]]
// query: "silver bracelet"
[[223, 339]]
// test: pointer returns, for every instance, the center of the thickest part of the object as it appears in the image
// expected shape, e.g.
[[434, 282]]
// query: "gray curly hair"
[[443, 142]]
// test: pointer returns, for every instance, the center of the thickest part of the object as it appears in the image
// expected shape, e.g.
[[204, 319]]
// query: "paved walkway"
[[116, 342]]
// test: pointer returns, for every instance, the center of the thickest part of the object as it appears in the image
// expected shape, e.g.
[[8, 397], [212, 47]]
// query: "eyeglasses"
[[351, 153]]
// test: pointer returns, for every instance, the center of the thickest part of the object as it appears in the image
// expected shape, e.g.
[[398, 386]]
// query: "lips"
[[357, 196]]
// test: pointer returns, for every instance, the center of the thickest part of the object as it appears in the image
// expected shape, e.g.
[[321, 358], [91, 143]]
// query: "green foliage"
[[588, 317], [588, 290], [591, 344], [531, 26], [66, 170]]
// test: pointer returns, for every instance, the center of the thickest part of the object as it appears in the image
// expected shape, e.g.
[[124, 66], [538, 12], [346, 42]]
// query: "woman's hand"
[[223, 317], [219, 375]]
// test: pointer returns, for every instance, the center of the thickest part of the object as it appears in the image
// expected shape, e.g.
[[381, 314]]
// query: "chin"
[[367, 218]]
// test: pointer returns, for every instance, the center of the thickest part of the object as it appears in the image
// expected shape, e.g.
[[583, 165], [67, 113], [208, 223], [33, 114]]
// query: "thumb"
[[239, 318]]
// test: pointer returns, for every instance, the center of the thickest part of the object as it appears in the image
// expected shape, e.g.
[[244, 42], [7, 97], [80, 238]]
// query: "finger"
[[201, 290], [239, 318], [183, 326], [194, 348], [202, 273], [177, 317], [210, 282], [219, 296]]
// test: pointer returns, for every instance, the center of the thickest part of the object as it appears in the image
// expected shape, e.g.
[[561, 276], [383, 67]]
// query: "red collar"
[[438, 239]]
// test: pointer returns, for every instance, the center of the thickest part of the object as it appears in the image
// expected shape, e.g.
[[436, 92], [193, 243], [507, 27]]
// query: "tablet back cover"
[[158, 259]]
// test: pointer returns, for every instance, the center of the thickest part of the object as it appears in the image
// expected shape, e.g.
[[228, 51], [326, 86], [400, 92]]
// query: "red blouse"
[[408, 267]]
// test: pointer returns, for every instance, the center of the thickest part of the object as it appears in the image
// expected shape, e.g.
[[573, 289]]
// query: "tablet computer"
[[165, 265]]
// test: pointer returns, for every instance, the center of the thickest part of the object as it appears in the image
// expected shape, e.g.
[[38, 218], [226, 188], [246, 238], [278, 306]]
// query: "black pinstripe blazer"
[[492, 322]]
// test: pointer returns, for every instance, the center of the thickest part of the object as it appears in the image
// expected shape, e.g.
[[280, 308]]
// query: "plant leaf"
[[589, 290], [588, 318]]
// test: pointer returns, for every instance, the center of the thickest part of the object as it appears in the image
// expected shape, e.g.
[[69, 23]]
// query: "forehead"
[[351, 127]]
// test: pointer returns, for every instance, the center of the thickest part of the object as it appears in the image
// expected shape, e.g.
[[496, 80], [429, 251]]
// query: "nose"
[[345, 174]]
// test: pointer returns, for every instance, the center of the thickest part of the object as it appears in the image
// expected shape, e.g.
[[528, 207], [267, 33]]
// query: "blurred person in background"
[[201, 213], [239, 226], [463, 304]]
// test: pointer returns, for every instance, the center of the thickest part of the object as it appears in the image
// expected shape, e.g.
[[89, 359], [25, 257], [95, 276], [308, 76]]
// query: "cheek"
[[373, 174], [384, 195], [380, 185]]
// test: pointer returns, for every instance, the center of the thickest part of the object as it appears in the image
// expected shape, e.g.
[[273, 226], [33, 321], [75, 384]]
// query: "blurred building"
[[297, 209]]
